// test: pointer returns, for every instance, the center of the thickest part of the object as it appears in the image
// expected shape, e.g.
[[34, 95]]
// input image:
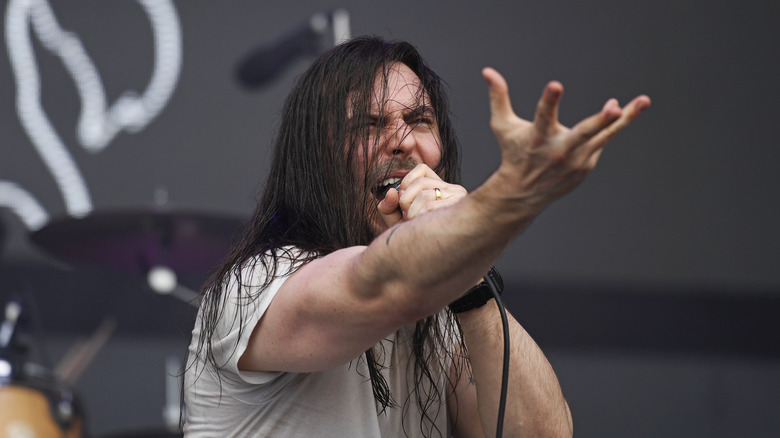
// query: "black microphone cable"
[[505, 325], [505, 370]]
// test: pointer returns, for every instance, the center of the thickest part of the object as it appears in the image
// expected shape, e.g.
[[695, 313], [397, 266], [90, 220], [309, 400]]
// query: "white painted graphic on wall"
[[98, 123]]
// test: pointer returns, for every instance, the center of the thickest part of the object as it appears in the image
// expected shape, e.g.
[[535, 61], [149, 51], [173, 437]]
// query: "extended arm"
[[335, 307]]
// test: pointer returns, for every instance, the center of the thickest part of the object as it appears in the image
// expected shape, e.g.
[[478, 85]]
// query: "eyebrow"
[[422, 110], [409, 113]]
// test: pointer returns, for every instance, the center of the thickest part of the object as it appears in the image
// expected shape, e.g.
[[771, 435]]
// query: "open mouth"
[[381, 189]]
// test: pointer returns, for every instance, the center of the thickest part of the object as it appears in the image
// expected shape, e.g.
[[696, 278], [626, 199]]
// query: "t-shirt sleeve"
[[240, 315]]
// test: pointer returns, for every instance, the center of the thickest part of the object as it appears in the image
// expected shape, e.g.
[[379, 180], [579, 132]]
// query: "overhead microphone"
[[264, 64]]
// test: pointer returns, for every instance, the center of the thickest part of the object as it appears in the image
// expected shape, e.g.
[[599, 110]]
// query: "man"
[[331, 318]]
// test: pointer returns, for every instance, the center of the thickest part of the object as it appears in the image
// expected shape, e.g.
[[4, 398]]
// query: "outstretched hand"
[[542, 158]]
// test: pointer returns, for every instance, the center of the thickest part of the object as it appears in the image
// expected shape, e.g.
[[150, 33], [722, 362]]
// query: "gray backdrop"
[[653, 287]]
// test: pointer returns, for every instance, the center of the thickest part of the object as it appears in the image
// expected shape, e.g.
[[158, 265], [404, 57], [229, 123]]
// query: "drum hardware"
[[33, 401], [62, 401], [79, 356], [162, 280], [12, 351], [159, 243], [137, 241], [172, 413], [12, 311]]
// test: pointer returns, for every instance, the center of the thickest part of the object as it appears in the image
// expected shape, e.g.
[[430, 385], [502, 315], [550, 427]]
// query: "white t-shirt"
[[337, 402]]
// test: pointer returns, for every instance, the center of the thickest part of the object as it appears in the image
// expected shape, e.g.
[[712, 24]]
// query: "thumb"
[[498, 90], [389, 209]]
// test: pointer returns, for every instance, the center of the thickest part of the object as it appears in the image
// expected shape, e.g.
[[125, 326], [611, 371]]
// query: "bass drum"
[[38, 406]]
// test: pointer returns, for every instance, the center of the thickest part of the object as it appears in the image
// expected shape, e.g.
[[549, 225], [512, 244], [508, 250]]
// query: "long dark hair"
[[316, 195]]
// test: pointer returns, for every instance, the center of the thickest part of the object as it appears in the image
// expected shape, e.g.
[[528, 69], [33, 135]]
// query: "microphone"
[[397, 187], [264, 64]]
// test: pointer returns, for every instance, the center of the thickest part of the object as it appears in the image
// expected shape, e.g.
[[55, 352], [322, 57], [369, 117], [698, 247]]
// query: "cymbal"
[[184, 241]]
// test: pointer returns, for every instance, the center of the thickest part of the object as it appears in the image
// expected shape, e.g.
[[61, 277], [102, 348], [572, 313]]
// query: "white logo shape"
[[98, 123]]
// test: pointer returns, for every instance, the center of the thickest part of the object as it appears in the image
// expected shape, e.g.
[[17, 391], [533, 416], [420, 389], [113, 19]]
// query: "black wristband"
[[478, 295]]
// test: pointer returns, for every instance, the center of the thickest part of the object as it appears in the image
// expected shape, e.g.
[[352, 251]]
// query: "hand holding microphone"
[[423, 192]]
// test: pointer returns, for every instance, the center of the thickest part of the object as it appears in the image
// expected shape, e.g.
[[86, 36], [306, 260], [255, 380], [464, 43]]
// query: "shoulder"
[[245, 292], [259, 272]]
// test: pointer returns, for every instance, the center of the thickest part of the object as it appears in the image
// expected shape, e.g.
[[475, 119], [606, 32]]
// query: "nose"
[[401, 139]]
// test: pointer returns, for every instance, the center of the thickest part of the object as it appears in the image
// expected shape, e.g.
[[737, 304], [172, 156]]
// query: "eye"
[[422, 117], [373, 121]]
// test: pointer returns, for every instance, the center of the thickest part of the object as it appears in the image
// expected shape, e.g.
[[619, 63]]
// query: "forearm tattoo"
[[387, 242]]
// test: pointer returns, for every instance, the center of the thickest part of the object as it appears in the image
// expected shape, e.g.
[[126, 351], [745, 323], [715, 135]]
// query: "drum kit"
[[158, 243]]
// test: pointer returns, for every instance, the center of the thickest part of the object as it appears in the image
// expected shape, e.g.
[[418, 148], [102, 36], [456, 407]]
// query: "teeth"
[[389, 182], [384, 186]]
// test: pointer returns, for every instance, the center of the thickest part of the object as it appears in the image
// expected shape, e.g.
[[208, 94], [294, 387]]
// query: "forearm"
[[535, 404], [433, 259]]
